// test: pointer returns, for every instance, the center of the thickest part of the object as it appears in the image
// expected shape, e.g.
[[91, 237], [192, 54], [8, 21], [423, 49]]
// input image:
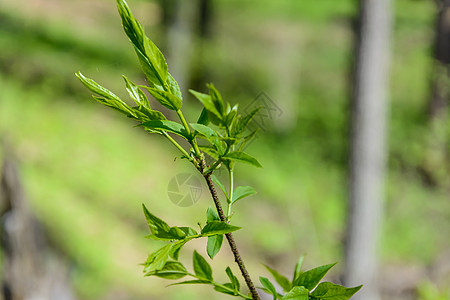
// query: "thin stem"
[[221, 286], [230, 203], [186, 126], [230, 238], [177, 145]]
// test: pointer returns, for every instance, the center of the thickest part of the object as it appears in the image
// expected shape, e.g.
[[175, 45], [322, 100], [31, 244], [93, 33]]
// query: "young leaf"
[[165, 98], [201, 267], [210, 150], [229, 291], [234, 281], [215, 241], [220, 185], [125, 109], [213, 114], [216, 99], [203, 119], [146, 114], [282, 281], [244, 121], [171, 270], [242, 192], [298, 268], [176, 233], [176, 248], [174, 88], [311, 278], [297, 293], [191, 282], [246, 139], [244, 157], [269, 286], [218, 227], [156, 225], [150, 57], [210, 135], [166, 125], [158, 259], [107, 98], [214, 244], [331, 291], [136, 94], [211, 215]]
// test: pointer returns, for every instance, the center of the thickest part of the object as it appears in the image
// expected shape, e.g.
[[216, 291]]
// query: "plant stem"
[[177, 145], [230, 238], [220, 285], [186, 126], [231, 173]]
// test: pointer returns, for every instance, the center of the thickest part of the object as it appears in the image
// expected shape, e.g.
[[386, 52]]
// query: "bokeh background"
[[86, 170]]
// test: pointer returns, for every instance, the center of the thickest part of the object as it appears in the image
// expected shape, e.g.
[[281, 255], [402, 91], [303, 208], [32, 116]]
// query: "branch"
[[230, 238]]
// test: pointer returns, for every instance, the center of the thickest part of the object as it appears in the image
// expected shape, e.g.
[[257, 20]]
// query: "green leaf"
[[146, 114], [176, 248], [201, 267], [107, 98], [298, 267], [244, 157], [157, 259], [214, 244], [328, 290], [210, 150], [242, 192], [165, 98], [211, 215], [216, 99], [156, 225], [173, 86], [246, 139], [234, 281], [213, 114], [229, 291], [176, 233], [282, 281], [116, 105], [218, 227], [244, 121], [220, 185], [189, 231], [166, 125], [215, 241], [230, 116], [136, 93], [171, 270], [311, 278], [297, 293], [152, 61], [191, 282], [203, 119], [269, 286], [211, 136]]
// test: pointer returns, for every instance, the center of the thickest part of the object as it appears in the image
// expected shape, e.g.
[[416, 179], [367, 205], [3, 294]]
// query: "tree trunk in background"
[[186, 24], [199, 71], [368, 146], [440, 90], [31, 269]]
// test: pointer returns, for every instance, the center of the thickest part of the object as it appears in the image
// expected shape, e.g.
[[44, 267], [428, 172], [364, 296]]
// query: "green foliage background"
[[87, 170]]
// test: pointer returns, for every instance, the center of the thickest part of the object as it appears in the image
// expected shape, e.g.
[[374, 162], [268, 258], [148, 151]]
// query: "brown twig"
[[230, 238]]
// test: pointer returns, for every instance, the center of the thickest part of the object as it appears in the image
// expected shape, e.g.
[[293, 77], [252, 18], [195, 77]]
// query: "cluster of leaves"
[[164, 264], [305, 285], [224, 134]]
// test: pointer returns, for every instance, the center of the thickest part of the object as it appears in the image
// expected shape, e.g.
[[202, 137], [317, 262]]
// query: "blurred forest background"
[[85, 170]]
